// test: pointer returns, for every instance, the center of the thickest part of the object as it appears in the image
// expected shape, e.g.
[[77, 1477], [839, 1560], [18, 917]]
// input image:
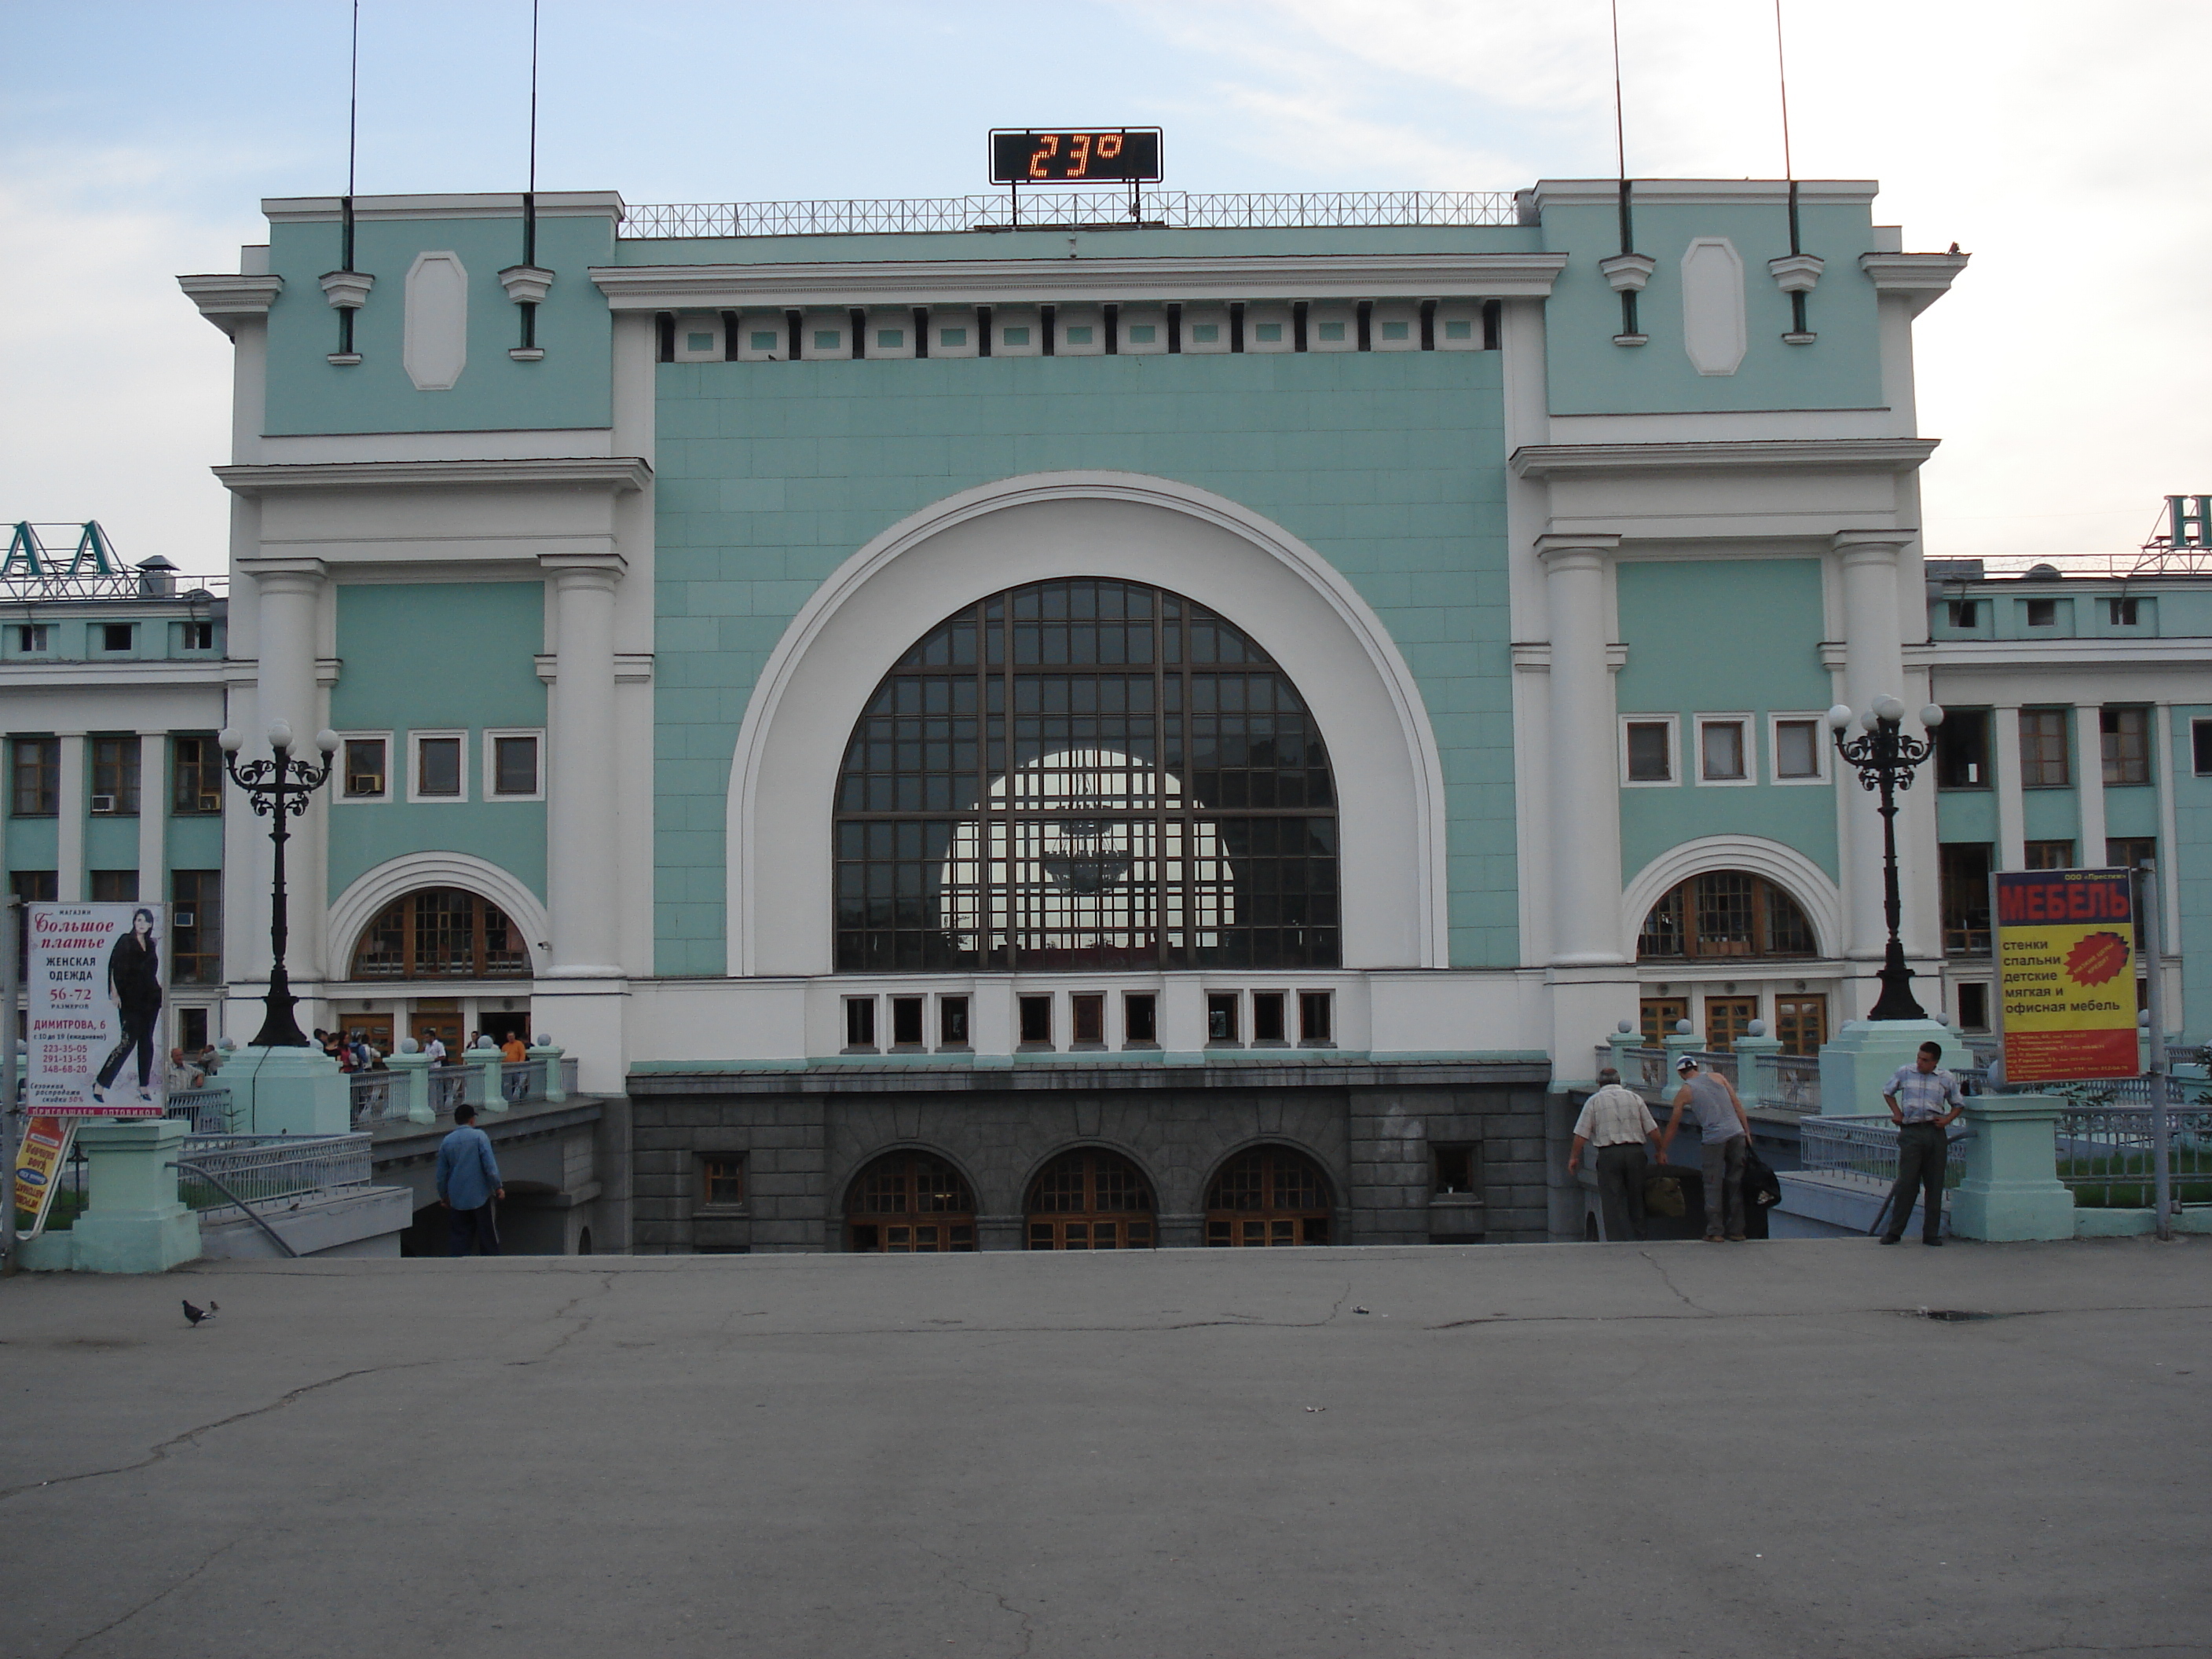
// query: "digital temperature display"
[[1112, 156]]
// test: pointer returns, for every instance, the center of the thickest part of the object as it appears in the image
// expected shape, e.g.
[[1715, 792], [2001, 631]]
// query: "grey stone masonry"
[[805, 1137]]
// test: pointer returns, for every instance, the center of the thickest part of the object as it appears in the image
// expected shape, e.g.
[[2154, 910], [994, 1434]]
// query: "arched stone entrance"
[[1091, 1199], [909, 1201], [1268, 1195]]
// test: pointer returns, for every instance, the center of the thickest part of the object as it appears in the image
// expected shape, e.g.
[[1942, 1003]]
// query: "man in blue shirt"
[[1917, 1095], [468, 1181]]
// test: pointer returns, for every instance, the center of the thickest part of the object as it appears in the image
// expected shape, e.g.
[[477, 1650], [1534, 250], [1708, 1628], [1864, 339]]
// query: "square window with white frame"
[[1647, 750], [515, 765], [1797, 748], [364, 766], [437, 766], [1725, 754]]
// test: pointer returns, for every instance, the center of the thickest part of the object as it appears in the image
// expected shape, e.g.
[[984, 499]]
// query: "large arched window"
[[441, 933], [1269, 1196], [1725, 912], [1085, 774], [905, 1202], [1090, 1201]]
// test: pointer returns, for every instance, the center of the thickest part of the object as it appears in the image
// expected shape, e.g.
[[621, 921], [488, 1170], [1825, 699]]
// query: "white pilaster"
[[1874, 666], [291, 595], [2169, 844], [2089, 786], [2012, 807], [70, 803], [580, 819], [153, 816], [1585, 790]]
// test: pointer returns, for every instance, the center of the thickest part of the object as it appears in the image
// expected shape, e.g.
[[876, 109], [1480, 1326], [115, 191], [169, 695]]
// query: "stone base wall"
[[804, 1144]]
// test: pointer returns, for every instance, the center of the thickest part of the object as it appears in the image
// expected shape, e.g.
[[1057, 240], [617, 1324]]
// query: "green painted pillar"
[[1858, 1064], [2011, 1189], [1754, 1077], [1624, 1045], [550, 1054], [132, 1222], [410, 1078], [495, 1099], [289, 1091]]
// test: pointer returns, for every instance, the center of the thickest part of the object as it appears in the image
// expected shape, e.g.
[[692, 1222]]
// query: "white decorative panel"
[[435, 347], [1712, 306], [698, 337]]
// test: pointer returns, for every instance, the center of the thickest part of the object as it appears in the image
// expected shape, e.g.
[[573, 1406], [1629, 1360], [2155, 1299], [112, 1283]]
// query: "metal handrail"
[[252, 1214], [1863, 1147]]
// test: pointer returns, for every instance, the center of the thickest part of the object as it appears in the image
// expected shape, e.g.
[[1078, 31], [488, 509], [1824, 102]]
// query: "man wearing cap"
[[1917, 1097], [1725, 1135], [1616, 1122]]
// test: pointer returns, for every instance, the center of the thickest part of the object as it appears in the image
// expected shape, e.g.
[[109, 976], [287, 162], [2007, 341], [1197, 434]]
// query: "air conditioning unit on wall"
[[103, 803]]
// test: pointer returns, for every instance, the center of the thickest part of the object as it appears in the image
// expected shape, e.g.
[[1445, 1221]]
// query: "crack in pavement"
[[583, 1321], [1025, 1628], [168, 1589], [1668, 1279], [163, 1450]]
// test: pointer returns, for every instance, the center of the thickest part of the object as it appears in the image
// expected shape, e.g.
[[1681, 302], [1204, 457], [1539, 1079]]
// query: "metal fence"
[[264, 1170], [1789, 1082], [207, 1110], [1865, 1148], [455, 1086], [2104, 1156], [522, 1079], [1072, 209], [375, 1097]]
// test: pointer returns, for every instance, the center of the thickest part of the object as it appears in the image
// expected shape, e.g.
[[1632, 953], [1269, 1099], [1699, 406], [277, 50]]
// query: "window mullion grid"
[[1162, 907]]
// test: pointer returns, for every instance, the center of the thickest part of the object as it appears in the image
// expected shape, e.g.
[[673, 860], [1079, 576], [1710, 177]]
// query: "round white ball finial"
[[1758, 1028], [1888, 708], [2142, 1018], [1682, 1028], [327, 741], [1839, 718], [230, 740], [280, 734], [1931, 716], [409, 1046], [1624, 1026]]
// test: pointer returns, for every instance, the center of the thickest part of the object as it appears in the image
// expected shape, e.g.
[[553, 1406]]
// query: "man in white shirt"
[[436, 1049], [1616, 1122], [1924, 1100]]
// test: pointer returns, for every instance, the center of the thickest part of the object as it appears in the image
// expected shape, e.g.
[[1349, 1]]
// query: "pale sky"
[[2066, 373]]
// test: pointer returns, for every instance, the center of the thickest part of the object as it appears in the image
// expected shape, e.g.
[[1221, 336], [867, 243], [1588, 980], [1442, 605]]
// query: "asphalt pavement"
[[1523, 1452]]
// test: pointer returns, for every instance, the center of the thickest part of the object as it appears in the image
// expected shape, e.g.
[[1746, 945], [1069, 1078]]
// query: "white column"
[[2169, 843], [581, 858], [2012, 807], [2089, 786], [290, 592], [153, 816], [289, 602], [69, 808], [1874, 666], [1584, 770]]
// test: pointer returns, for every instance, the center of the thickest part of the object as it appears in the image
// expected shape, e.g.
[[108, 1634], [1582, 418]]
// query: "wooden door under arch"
[[906, 1202], [1091, 1199], [1270, 1195]]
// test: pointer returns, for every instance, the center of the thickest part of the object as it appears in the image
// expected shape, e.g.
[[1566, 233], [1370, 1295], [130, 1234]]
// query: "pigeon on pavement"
[[193, 1316]]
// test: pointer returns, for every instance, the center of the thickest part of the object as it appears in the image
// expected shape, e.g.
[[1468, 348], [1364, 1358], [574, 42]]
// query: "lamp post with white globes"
[[279, 788], [1886, 758]]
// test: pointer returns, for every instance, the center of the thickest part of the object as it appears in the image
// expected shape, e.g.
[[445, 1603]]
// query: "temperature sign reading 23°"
[[1106, 155]]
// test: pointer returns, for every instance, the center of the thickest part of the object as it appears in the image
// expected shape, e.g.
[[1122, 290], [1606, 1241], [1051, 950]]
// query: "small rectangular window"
[[826, 339], [1963, 876], [1221, 1017], [1966, 613], [2200, 748], [2123, 611], [192, 1029], [1314, 1024], [34, 636], [196, 926], [1962, 750], [1016, 336], [2049, 854], [114, 886], [1077, 333], [1459, 331], [1268, 333], [2043, 759], [1205, 333], [1796, 749], [1650, 752], [1974, 1005], [1454, 1170], [860, 1022], [721, 1183], [2125, 733], [1090, 1018], [1331, 332], [2130, 852], [1139, 1017], [698, 342], [115, 775], [906, 1021], [515, 765], [198, 635], [1396, 331], [196, 777], [1720, 745], [762, 340], [891, 339], [38, 777], [952, 336], [953, 1022], [437, 768], [118, 636], [1267, 1017], [1142, 333], [365, 778], [1036, 1022], [2043, 613]]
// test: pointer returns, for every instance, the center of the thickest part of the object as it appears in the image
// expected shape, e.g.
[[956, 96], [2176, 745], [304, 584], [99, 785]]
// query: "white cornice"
[[2070, 654], [551, 204], [1012, 282], [1756, 454], [619, 473], [1703, 192], [1922, 278], [150, 675], [228, 301]]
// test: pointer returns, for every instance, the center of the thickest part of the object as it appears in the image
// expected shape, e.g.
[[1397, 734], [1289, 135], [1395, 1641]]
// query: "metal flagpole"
[[2160, 1136], [10, 1113]]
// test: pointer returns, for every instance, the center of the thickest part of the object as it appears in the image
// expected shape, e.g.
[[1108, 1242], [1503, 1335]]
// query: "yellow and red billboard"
[[37, 1169], [2066, 975]]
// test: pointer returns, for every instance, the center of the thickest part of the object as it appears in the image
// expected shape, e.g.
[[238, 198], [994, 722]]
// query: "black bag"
[[1762, 1190], [1662, 1195]]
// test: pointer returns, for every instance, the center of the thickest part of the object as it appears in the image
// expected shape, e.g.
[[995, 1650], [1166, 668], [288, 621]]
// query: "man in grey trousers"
[[1725, 1135], [1616, 1122]]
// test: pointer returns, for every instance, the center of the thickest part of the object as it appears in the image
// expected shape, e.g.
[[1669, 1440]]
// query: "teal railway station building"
[[1121, 730]]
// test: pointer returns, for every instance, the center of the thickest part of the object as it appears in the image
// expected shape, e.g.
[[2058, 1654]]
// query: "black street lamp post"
[[279, 788], [1886, 759]]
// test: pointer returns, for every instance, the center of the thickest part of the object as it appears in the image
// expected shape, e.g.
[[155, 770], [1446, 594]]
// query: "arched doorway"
[[441, 932], [1268, 1195], [909, 1201], [1091, 1199]]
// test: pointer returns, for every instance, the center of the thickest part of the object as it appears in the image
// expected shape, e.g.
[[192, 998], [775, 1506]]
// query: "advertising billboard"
[[2066, 975], [94, 976]]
